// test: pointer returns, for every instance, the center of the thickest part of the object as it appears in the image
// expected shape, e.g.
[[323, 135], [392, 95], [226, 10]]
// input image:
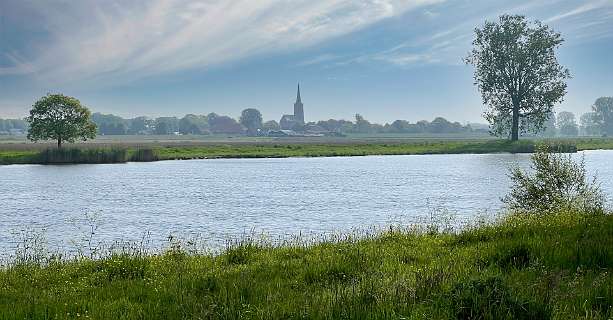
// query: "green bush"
[[556, 183]]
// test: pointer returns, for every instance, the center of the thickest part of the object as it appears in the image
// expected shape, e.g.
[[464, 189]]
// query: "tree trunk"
[[515, 123], [59, 143]]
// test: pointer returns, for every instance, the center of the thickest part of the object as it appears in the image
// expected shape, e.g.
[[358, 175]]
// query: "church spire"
[[298, 108]]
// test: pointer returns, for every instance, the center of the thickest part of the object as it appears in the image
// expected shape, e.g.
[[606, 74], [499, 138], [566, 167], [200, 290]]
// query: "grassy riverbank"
[[556, 267], [117, 152]]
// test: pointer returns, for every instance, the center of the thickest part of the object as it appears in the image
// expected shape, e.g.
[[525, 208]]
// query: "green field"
[[522, 267], [245, 147]]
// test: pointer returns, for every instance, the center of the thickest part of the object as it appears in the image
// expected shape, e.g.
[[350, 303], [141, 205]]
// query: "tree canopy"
[[567, 124], [517, 73], [589, 125], [61, 118], [603, 109], [251, 119], [193, 124]]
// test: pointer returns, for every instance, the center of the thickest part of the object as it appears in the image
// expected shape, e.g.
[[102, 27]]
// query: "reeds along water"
[[98, 155], [144, 155]]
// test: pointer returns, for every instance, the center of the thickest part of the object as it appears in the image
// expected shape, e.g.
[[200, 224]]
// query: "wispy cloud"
[[448, 41], [323, 58], [119, 41], [584, 8]]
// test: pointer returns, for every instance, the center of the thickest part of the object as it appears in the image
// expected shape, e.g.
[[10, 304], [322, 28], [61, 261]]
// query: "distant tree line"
[[9, 126], [109, 124], [251, 123], [598, 122], [361, 125]]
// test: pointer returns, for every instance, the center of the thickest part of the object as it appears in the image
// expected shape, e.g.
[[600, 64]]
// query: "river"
[[216, 200]]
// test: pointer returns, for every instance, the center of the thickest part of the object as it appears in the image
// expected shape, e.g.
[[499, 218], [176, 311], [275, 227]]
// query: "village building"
[[294, 121]]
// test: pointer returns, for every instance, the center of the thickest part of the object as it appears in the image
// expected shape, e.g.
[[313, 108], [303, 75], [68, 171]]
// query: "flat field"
[[18, 151]]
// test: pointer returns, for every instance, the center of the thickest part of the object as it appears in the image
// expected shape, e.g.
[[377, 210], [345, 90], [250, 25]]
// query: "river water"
[[216, 200]]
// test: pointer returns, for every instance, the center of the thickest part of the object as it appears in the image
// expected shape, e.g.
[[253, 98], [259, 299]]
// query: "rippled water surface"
[[221, 199]]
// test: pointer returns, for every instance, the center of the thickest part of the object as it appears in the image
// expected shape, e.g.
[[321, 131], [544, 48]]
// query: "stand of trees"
[[109, 124], [438, 125], [13, 126], [251, 123]]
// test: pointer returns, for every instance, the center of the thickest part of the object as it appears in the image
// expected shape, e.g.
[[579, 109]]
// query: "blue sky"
[[384, 59]]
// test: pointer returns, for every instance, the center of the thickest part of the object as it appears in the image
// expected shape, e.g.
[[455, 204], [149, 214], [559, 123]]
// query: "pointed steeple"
[[299, 108]]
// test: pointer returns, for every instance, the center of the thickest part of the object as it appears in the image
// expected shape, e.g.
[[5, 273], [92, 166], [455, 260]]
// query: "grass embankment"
[[556, 267], [88, 154]]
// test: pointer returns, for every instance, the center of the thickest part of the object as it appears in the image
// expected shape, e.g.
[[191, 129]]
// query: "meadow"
[[520, 267], [117, 151]]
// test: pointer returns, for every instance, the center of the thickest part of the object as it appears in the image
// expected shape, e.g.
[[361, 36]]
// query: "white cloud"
[[123, 41], [579, 10]]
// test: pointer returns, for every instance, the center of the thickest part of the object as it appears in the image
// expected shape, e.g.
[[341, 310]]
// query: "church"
[[294, 121]]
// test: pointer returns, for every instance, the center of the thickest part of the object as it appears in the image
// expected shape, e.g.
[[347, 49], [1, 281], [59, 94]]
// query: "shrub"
[[557, 182]]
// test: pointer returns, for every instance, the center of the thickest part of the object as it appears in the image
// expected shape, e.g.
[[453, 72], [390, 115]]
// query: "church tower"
[[299, 108]]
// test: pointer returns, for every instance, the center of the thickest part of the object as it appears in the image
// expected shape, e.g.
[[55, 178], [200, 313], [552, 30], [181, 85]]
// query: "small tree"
[[567, 125], [252, 120], [518, 74], [61, 118], [603, 107], [556, 182], [362, 125], [589, 125]]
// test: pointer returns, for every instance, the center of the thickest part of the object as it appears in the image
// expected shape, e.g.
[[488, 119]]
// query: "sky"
[[384, 59]]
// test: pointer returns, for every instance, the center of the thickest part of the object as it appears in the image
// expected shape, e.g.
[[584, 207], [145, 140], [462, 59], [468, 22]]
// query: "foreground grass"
[[85, 153], [557, 267]]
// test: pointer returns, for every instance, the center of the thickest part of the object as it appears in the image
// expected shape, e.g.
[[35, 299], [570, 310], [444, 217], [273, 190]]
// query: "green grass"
[[556, 267], [91, 153], [593, 143], [332, 150]]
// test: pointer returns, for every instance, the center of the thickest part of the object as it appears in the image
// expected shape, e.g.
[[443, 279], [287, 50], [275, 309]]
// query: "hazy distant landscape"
[[320, 159]]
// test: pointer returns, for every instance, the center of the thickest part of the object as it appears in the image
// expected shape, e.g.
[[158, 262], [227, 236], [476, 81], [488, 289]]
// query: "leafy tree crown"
[[61, 118], [516, 68]]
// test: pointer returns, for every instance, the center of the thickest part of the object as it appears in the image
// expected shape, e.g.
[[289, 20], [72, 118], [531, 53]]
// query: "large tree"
[[61, 118], [517, 73], [252, 120], [603, 107]]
